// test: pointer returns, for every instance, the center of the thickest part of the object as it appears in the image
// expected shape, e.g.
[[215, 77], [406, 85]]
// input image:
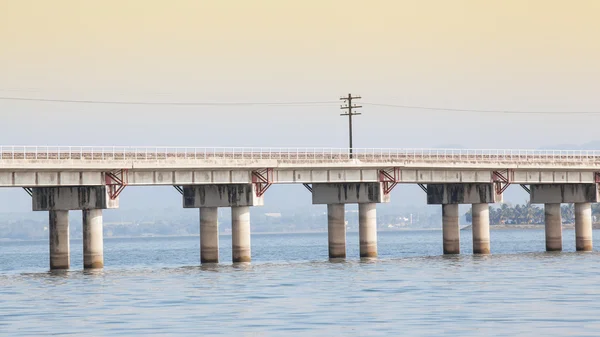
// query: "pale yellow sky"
[[264, 44], [495, 54]]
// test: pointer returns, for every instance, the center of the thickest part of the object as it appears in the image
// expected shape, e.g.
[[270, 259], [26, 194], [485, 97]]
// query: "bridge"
[[64, 178]]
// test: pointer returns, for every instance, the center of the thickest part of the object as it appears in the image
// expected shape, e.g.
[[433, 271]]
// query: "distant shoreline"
[[220, 234], [529, 226], [466, 227]]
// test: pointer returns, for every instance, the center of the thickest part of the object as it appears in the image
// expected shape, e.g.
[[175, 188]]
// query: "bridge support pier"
[[450, 229], [479, 195], [59, 200], [59, 240], [481, 228], [93, 240], [553, 223], [336, 231], [367, 229], [336, 196], [583, 226], [240, 197], [552, 195], [240, 234], [209, 235]]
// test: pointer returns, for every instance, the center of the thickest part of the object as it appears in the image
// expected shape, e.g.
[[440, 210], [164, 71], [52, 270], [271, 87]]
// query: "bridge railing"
[[165, 153]]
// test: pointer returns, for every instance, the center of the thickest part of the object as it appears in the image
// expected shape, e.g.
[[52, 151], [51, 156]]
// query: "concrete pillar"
[[240, 234], [59, 240], [93, 242], [583, 226], [209, 235], [481, 228], [450, 229], [336, 230], [553, 227], [367, 229]]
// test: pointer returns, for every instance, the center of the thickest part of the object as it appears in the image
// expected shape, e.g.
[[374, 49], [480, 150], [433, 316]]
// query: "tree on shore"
[[528, 214]]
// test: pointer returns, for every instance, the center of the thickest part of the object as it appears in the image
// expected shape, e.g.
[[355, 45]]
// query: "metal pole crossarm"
[[349, 96]]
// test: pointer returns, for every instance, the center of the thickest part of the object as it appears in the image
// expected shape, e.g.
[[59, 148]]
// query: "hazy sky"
[[509, 54], [521, 55]]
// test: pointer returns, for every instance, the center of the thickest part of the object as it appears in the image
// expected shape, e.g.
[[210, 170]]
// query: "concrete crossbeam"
[[348, 193], [185, 173], [72, 198], [231, 195], [462, 194], [564, 193]]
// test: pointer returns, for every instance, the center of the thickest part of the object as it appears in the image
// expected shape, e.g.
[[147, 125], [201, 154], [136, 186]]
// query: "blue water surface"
[[155, 286]]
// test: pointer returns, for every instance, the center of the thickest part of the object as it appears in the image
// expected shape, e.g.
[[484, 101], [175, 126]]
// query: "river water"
[[154, 286]]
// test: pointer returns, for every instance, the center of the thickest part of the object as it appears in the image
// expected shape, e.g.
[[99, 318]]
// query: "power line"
[[291, 103], [48, 100], [477, 110]]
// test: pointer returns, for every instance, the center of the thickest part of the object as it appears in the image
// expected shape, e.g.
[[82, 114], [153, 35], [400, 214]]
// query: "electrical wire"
[[291, 103], [416, 107], [48, 100]]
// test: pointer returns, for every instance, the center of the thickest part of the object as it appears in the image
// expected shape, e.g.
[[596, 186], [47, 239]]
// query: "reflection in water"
[[292, 288]]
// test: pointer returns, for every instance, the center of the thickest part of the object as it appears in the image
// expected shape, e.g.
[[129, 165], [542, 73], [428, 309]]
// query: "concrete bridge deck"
[[36, 166], [90, 179]]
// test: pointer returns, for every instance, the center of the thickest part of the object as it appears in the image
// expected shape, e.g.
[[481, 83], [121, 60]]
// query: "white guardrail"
[[163, 153]]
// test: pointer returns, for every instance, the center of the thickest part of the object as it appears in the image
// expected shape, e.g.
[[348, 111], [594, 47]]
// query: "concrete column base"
[[553, 222], [336, 231], [209, 235], [583, 227], [240, 234], [450, 229], [481, 228], [367, 229], [59, 240], [93, 239]]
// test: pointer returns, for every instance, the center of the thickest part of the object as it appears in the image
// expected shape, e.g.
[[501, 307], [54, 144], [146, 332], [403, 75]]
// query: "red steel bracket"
[[262, 179], [389, 178], [502, 179], [116, 182]]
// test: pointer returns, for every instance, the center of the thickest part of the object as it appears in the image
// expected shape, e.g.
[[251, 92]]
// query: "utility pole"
[[349, 106]]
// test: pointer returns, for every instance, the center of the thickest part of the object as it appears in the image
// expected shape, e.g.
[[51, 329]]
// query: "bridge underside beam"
[[564, 193], [440, 194], [348, 193], [226, 195], [72, 198]]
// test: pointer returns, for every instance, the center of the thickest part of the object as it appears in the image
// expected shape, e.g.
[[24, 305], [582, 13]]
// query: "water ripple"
[[415, 291]]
